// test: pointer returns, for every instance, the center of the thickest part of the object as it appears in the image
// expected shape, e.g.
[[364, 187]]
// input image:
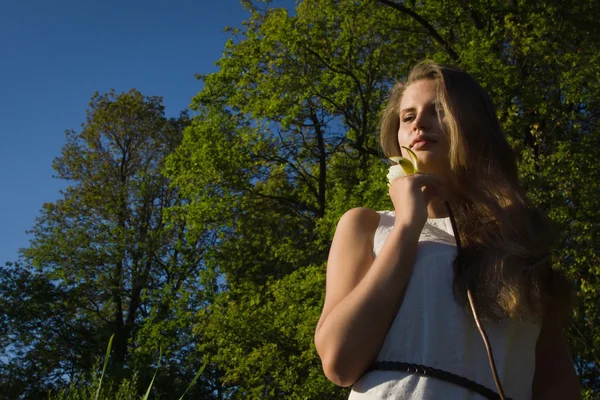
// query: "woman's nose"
[[419, 122]]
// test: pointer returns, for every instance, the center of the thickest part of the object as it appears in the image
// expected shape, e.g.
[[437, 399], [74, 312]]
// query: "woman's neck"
[[437, 209]]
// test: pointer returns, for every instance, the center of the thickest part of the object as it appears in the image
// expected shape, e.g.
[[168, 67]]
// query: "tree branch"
[[479, 25], [436, 36]]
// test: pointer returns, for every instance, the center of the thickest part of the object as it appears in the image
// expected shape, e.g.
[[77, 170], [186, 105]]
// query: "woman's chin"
[[432, 165]]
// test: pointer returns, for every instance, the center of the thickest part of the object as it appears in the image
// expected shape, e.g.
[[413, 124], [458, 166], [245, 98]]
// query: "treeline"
[[206, 235]]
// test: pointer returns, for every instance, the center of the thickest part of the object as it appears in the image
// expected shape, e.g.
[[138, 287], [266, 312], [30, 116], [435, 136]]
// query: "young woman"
[[396, 292]]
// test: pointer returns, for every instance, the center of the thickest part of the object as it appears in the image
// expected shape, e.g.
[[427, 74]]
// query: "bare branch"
[[436, 36]]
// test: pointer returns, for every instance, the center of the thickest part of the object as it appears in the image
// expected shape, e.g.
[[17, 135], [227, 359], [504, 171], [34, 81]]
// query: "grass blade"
[[194, 380], [105, 364], [152, 381]]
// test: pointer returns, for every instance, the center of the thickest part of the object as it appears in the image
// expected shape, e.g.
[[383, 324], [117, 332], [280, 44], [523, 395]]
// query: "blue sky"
[[55, 55]]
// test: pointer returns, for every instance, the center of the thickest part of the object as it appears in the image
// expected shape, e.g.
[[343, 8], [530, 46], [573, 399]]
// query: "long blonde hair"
[[507, 242]]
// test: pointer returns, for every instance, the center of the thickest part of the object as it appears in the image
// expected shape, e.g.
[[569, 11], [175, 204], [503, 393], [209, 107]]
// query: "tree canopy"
[[208, 235]]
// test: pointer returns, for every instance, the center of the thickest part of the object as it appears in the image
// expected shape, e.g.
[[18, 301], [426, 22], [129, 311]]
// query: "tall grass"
[[127, 389], [105, 364]]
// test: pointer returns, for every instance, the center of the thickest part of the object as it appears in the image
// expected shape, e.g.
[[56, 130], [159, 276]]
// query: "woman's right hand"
[[411, 195]]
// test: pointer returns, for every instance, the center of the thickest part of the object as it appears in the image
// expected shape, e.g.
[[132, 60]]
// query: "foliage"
[[285, 132], [126, 389], [224, 255], [103, 261]]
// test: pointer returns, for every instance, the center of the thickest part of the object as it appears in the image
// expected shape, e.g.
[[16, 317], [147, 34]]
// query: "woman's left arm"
[[555, 376]]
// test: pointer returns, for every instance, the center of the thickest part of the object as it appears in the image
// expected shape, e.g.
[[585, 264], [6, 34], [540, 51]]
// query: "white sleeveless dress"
[[432, 330]]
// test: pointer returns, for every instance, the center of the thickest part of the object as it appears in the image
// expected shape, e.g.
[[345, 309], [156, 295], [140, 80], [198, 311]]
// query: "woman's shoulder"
[[361, 215], [360, 219]]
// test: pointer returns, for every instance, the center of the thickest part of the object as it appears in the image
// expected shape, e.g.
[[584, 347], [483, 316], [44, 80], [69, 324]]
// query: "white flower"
[[395, 172], [403, 167]]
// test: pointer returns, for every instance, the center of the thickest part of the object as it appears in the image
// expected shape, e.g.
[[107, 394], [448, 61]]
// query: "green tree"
[[276, 152], [102, 260], [285, 140]]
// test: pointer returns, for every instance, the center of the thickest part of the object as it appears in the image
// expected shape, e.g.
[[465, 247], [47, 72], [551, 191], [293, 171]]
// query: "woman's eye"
[[407, 118], [439, 110]]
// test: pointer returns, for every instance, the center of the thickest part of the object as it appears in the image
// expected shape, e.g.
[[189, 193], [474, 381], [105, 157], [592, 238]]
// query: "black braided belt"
[[436, 373]]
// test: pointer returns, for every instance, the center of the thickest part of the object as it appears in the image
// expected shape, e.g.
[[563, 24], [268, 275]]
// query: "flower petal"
[[413, 157]]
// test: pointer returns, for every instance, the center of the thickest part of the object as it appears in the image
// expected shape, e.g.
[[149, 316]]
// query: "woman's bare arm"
[[362, 295]]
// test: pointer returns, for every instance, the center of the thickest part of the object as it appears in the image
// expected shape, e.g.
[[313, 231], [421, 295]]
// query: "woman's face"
[[421, 130]]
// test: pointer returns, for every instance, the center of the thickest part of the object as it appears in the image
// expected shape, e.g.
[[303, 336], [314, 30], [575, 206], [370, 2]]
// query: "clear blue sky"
[[55, 55]]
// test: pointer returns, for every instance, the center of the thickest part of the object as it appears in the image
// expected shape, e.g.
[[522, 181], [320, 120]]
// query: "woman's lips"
[[422, 144]]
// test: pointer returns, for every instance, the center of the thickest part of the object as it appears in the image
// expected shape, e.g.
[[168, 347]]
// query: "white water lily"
[[403, 167]]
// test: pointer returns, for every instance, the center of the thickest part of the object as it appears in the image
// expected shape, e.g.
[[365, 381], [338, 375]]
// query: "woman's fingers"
[[431, 185], [411, 195]]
